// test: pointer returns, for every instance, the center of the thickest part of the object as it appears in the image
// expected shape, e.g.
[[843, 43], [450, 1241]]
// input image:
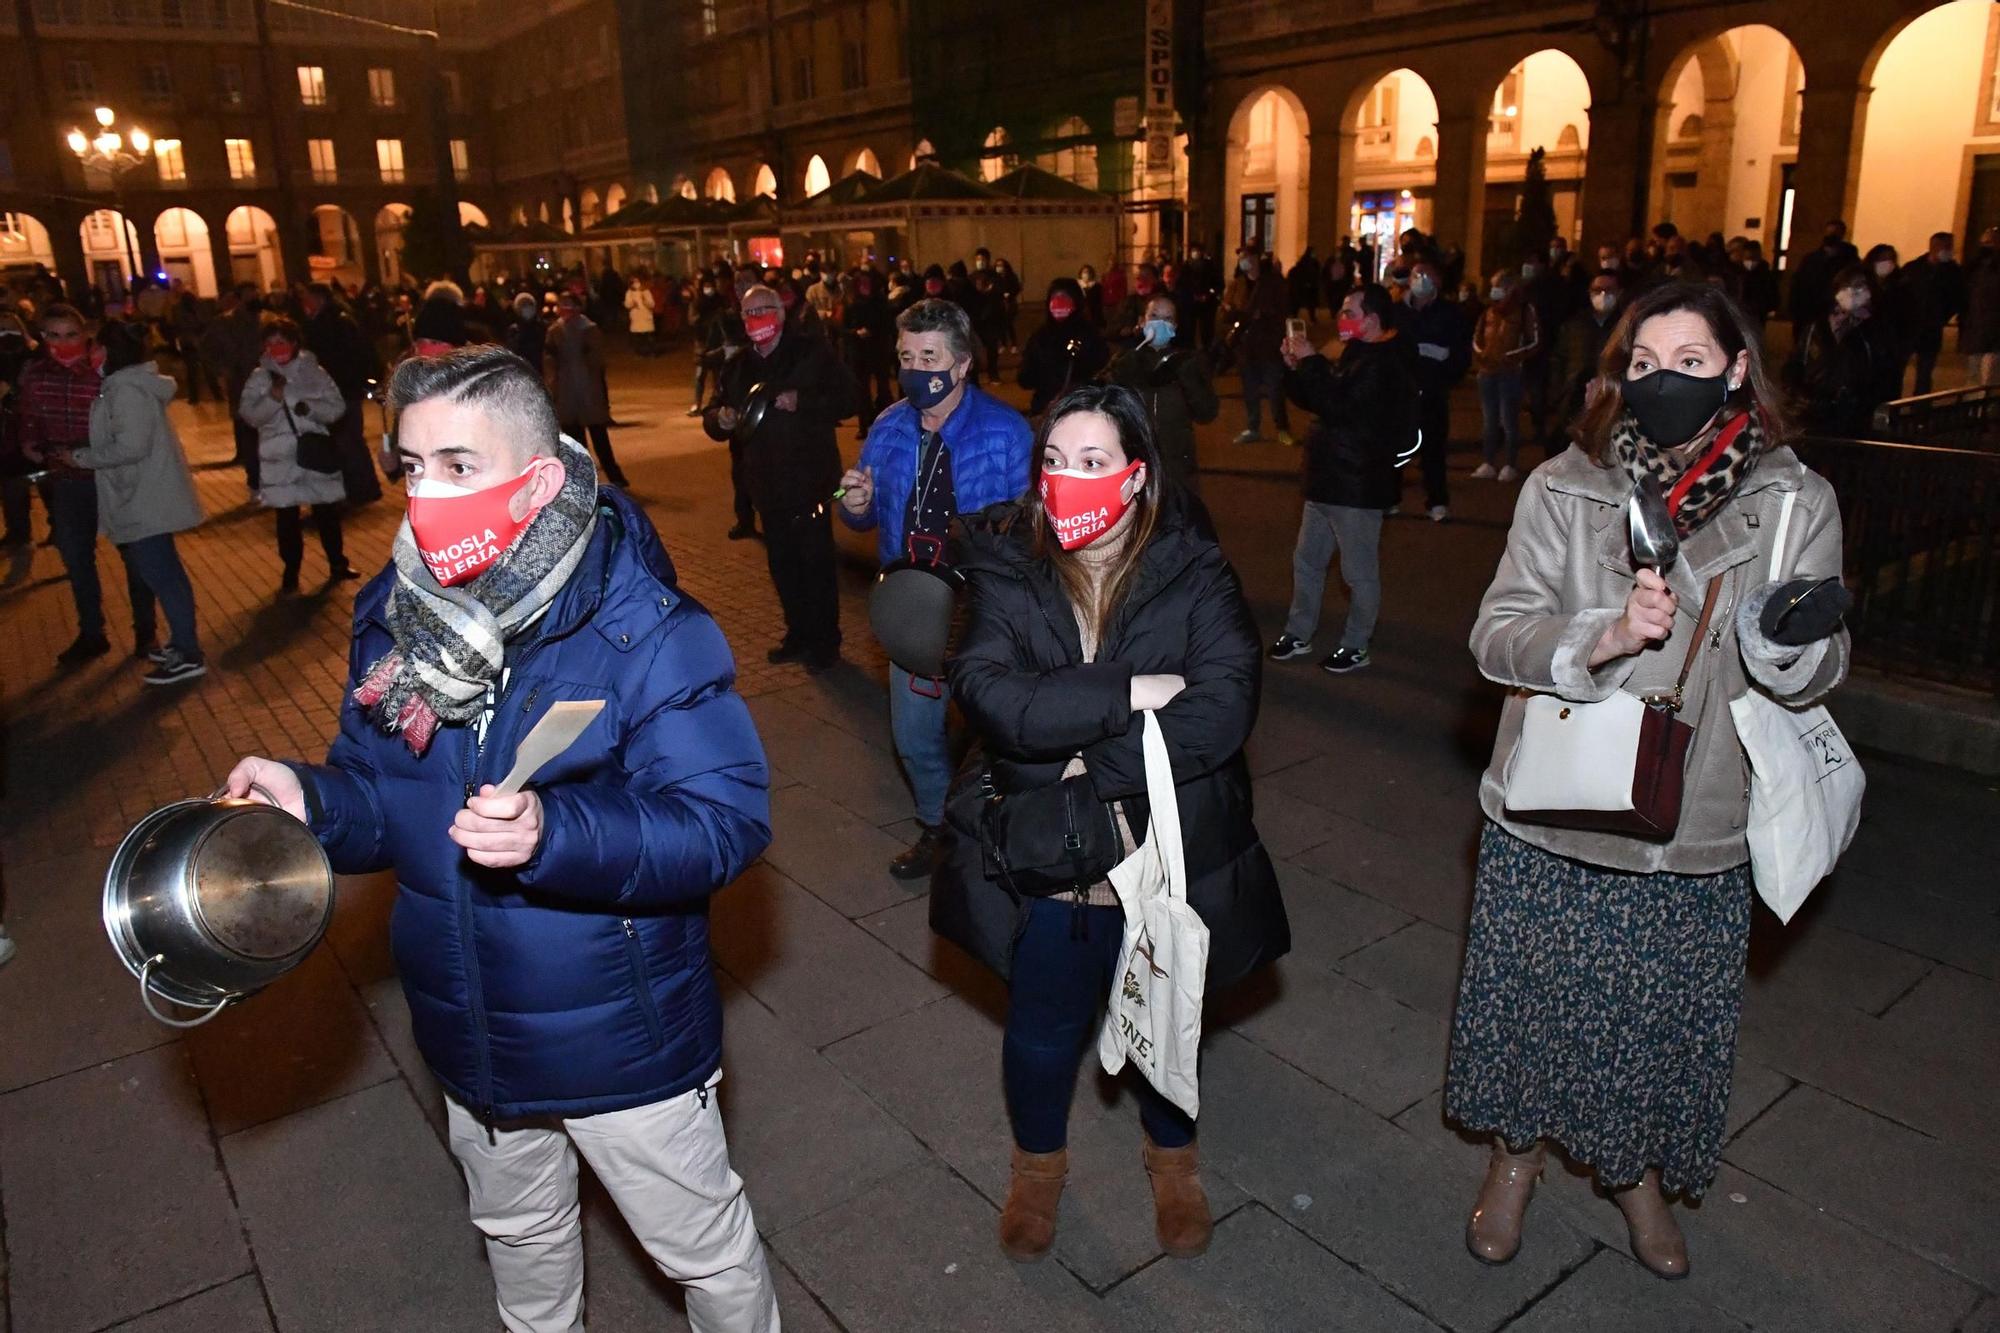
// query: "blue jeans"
[[918, 724], [1064, 966], [1500, 405], [1264, 379], [72, 504], [153, 567]]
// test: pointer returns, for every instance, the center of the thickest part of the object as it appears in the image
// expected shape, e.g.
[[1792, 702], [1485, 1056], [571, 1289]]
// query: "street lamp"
[[108, 150]]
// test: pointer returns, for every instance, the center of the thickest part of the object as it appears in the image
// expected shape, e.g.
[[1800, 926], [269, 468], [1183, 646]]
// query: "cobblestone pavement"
[[283, 1168]]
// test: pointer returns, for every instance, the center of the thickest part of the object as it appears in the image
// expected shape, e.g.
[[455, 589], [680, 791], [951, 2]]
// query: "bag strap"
[[1164, 803], [1784, 527], [1674, 700]]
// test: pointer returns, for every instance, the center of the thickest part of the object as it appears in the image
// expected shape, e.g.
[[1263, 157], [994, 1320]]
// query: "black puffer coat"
[[1019, 675], [1366, 410]]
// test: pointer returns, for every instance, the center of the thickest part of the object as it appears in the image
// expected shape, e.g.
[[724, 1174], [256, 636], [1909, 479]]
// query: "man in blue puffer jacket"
[[946, 448], [553, 944]]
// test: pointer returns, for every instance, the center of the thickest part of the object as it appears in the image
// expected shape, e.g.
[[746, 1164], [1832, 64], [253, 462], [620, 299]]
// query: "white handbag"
[[1805, 784], [1154, 1015]]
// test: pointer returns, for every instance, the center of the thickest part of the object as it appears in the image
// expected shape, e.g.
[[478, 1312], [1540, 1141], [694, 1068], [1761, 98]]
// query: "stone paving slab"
[[1259, 1276], [1612, 1291], [1383, 1054], [1886, 1179], [1331, 921], [233, 1307], [1425, 878], [856, 772], [337, 1202], [833, 854], [916, 1255], [1417, 966], [116, 1202], [815, 969], [1380, 1199]]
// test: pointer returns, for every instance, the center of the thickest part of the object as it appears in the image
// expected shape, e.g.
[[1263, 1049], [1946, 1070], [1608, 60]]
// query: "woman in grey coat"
[[289, 396], [1603, 973], [145, 494]]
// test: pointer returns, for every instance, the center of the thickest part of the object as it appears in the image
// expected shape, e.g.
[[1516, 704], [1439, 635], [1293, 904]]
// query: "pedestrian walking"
[[1848, 363], [1930, 293], [56, 393], [946, 448], [871, 345], [527, 337], [144, 496], [1603, 973], [347, 354], [1257, 301], [1065, 352], [1435, 329], [1096, 597], [1579, 345], [1506, 335], [788, 395], [577, 383], [1364, 424], [553, 943], [293, 403], [639, 317], [1175, 385]]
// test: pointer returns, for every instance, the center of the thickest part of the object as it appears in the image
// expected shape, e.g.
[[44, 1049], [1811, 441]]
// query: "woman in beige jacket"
[[1603, 973]]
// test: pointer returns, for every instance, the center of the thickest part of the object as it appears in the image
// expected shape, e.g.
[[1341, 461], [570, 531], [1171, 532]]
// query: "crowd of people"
[[1056, 576]]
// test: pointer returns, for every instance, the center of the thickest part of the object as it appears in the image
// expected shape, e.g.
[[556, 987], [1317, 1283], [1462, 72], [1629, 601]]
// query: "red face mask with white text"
[[1083, 506], [764, 326], [460, 532]]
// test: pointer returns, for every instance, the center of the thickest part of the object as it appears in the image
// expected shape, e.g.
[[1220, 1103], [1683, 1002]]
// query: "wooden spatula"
[[556, 732]]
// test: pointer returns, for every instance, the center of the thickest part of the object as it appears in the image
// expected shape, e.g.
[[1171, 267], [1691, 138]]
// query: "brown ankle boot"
[[1028, 1222], [1180, 1207], [1493, 1233], [1656, 1238]]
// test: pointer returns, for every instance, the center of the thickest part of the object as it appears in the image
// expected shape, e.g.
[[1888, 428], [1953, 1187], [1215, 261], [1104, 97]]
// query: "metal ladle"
[[1654, 541]]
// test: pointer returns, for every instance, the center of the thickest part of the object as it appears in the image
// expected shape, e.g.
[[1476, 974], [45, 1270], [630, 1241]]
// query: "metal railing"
[[1922, 528], [1957, 418]]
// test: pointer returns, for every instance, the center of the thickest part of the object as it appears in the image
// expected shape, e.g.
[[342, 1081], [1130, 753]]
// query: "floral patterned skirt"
[[1598, 1008]]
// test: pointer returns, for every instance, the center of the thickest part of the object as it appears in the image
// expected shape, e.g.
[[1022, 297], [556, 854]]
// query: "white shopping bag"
[[1154, 1016], [1805, 784]]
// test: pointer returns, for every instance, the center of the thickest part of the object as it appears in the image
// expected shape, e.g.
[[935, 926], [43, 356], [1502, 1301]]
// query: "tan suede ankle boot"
[[1493, 1232], [1656, 1237], [1180, 1205], [1028, 1222]]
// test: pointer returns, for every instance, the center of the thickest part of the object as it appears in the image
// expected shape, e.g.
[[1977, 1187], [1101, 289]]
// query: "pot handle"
[[146, 998], [269, 799]]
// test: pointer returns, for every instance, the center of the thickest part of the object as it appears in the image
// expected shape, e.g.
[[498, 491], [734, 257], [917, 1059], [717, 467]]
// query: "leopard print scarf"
[[1698, 485]]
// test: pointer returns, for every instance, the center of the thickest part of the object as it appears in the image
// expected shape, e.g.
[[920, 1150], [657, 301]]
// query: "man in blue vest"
[[552, 943], [946, 448]]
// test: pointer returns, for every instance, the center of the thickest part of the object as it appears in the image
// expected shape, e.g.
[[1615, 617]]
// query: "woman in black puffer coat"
[[1061, 651]]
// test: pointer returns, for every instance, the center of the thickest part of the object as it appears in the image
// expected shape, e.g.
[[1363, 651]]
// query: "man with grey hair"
[[947, 448], [552, 941]]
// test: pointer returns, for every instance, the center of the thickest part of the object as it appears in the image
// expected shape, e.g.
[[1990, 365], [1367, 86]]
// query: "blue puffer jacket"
[[990, 444], [580, 982]]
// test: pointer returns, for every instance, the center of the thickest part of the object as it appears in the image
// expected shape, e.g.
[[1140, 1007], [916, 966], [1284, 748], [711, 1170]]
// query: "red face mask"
[[460, 532], [764, 327], [1144, 286], [1083, 507], [70, 354], [1348, 327], [282, 353], [1061, 307], [934, 286]]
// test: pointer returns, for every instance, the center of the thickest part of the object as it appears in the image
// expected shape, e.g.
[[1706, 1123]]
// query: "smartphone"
[[1295, 327]]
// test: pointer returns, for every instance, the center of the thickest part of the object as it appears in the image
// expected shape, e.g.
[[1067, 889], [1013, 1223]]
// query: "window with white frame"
[[461, 159], [242, 159], [389, 159], [382, 88], [312, 85], [325, 162], [167, 153]]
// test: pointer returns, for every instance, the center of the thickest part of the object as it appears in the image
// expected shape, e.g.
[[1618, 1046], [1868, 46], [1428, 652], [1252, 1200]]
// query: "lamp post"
[[108, 149]]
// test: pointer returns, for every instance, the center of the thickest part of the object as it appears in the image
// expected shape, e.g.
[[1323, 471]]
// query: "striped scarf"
[[451, 642]]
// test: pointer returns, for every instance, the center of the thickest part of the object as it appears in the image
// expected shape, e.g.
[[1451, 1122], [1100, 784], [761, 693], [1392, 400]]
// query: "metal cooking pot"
[[910, 609], [756, 406], [209, 901]]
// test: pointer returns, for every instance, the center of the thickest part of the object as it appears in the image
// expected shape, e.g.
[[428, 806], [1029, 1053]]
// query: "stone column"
[[1612, 182], [1828, 176], [1329, 184], [218, 249], [1458, 208], [1710, 205]]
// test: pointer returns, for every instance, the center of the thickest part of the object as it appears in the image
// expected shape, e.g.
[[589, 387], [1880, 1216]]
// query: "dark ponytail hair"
[[124, 344]]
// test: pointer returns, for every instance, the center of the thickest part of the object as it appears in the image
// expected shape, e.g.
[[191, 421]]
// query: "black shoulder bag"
[[315, 447], [1046, 840]]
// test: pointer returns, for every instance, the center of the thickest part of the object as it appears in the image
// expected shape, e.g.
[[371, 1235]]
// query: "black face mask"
[[1670, 407]]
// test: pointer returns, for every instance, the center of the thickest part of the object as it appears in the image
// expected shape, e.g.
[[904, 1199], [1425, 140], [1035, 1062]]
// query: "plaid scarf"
[[451, 642], [1699, 479]]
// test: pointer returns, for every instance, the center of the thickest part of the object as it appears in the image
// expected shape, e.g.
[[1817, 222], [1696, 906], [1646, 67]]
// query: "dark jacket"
[[1365, 408], [1929, 296], [1060, 355], [991, 448], [343, 350], [1979, 328], [793, 461], [528, 339], [1812, 282], [1840, 381], [580, 982], [1020, 677], [1439, 336], [1179, 392], [1579, 345], [877, 351]]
